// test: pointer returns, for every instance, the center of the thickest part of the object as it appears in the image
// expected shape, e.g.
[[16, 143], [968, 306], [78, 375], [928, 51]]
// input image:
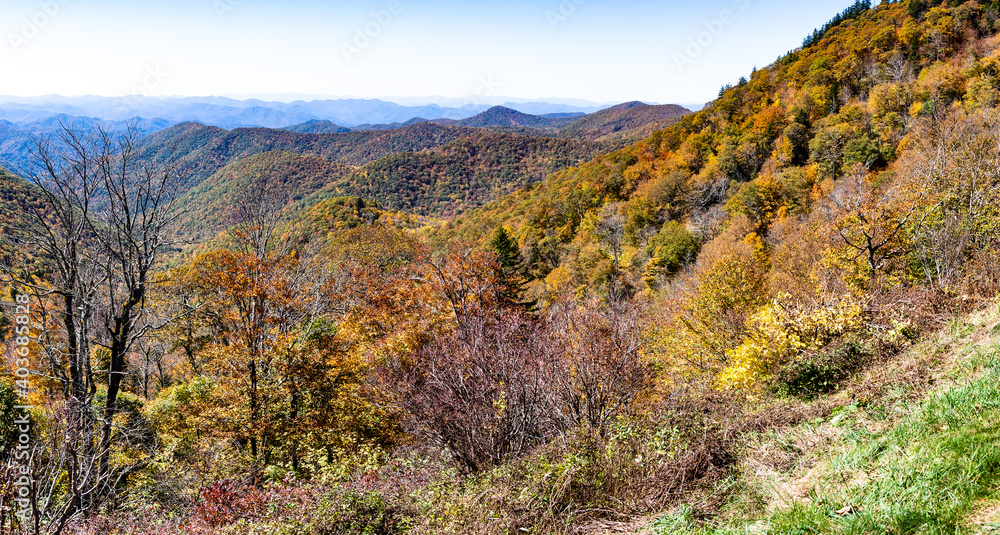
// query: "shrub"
[[479, 392], [600, 375], [778, 335], [820, 372], [505, 383], [227, 501], [982, 275], [364, 513], [672, 247]]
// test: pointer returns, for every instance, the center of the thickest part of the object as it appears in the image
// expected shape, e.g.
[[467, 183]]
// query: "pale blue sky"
[[598, 50]]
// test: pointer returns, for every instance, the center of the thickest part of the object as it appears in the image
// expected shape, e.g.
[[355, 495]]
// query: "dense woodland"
[[199, 150], [430, 170], [465, 173], [612, 346]]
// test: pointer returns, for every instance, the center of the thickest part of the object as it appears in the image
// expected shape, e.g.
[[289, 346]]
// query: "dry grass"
[[987, 517]]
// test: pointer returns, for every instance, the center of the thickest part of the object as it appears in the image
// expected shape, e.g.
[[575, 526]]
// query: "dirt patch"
[[987, 517], [639, 526]]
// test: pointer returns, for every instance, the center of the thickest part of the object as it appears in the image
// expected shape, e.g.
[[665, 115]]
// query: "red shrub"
[[227, 501]]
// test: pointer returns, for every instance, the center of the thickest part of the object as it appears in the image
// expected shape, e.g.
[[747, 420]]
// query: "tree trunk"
[[119, 346]]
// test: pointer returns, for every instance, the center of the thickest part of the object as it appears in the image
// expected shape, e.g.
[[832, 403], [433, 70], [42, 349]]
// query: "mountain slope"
[[442, 181], [628, 121], [17, 141], [501, 117], [15, 147], [210, 206], [624, 123], [318, 127], [17, 198], [802, 120], [463, 174], [200, 151], [686, 171]]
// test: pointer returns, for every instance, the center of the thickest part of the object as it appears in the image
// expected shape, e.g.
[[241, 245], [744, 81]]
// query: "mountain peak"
[[502, 109], [504, 117], [628, 105]]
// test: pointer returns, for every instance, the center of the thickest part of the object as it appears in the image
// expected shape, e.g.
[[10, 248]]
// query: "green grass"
[[927, 473]]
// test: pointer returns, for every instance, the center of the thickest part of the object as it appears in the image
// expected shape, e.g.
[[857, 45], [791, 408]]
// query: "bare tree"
[[134, 233], [102, 230], [61, 232], [898, 69], [146, 366], [875, 219], [958, 158], [602, 370], [611, 231], [258, 216]]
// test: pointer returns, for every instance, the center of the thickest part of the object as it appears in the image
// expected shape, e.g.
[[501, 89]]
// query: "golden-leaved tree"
[[264, 331]]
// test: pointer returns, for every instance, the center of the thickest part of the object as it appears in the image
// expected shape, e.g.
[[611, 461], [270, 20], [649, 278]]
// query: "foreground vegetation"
[[911, 448]]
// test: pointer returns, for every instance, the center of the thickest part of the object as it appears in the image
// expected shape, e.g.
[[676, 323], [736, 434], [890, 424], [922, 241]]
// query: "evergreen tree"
[[859, 8], [511, 267]]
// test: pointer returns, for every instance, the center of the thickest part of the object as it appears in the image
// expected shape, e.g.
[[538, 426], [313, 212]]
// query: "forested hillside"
[[460, 175], [318, 127], [17, 200], [199, 151], [501, 117], [465, 173], [619, 125], [628, 122], [777, 314], [289, 177], [422, 168], [772, 152]]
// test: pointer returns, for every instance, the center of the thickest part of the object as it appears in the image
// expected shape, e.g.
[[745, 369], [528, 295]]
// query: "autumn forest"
[[774, 315]]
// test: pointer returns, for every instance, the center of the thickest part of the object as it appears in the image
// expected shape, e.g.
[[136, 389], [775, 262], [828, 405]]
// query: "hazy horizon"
[[666, 52], [292, 97]]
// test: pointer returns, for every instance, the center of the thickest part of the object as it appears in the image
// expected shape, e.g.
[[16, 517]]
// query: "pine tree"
[[511, 269]]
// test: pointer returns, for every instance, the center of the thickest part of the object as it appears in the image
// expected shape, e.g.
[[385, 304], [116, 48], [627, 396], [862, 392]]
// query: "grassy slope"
[[912, 447]]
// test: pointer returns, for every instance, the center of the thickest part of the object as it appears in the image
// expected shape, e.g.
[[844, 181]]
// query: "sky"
[[600, 51]]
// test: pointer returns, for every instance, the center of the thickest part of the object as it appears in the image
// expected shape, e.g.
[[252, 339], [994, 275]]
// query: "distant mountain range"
[[17, 140], [231, 113], [22, 120], [625, 122], [424, 165]]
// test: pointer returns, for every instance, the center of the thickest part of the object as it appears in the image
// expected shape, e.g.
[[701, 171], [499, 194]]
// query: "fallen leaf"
[[845, 511]]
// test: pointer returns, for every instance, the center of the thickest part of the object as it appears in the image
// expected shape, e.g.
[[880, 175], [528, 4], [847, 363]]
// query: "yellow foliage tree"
[[776, 335], [703, 326]]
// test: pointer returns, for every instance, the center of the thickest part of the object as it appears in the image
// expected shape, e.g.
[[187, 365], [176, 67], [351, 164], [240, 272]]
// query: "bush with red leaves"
[[227, 501]]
